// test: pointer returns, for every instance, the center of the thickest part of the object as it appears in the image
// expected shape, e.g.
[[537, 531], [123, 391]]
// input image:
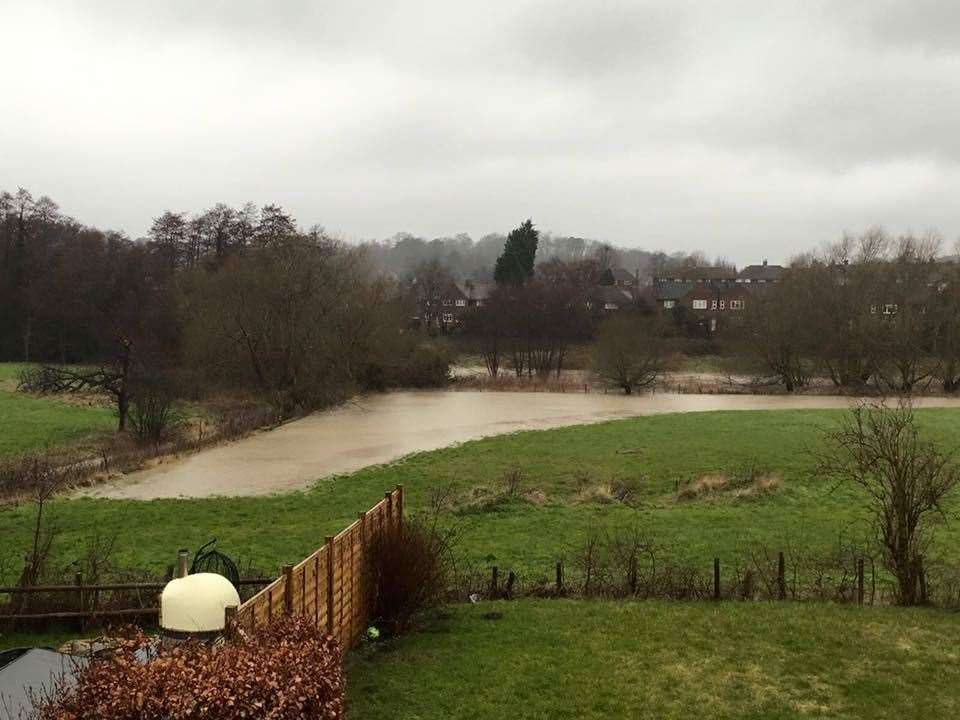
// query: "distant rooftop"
[[761, 272], [703, 273], [622, 275]]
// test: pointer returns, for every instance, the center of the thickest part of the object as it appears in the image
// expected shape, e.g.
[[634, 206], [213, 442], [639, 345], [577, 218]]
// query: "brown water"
[[380, 428]]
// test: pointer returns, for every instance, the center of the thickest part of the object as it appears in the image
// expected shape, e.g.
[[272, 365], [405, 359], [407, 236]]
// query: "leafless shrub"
[[153, 414], [591, 561], [512, 481], [879, 450], [413, 567], [441, 498]]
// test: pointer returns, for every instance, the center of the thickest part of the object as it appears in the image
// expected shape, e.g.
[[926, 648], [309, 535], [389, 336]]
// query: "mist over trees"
[[465, 258]]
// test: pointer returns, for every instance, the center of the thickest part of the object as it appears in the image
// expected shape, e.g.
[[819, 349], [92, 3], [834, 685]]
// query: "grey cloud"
[[743, 128]]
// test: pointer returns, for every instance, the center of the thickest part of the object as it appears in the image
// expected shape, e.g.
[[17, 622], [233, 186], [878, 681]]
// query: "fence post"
[[329, 544], [78, 581], [400, 505], [511, 579], [388, 497], [781, 578], [493, 582], [362, 584], [559, 578], [860, 581], [716, 578], [230, 621], [288, 589]]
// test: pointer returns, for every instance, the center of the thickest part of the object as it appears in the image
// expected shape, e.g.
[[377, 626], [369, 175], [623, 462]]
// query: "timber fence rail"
[[88, 602], [333, 587]]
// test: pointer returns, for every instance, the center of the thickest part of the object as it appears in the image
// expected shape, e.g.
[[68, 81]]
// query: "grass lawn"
[[653, 454], [28, 422], [51, 639], [578, 659]]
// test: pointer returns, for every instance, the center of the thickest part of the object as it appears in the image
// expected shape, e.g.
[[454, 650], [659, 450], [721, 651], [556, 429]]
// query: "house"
[[439, 305], [670, 287], [610, 297], [713, 293], [624, 278], [761, 274], [476, 293]]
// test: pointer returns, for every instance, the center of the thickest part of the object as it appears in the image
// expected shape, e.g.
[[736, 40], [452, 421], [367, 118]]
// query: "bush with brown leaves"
[[413, 566], [287, 670]]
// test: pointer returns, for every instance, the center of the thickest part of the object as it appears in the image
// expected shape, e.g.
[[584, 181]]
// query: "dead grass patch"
[[746, 487]]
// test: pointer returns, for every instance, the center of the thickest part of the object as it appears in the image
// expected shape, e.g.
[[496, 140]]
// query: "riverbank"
[[571, 481], [378, 429]]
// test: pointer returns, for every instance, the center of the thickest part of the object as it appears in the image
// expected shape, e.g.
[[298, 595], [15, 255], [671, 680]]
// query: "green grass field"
[[653, 454], [28, 422], [567, 659]]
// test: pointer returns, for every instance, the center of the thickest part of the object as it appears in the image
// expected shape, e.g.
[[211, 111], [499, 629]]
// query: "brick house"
[[713, 295]]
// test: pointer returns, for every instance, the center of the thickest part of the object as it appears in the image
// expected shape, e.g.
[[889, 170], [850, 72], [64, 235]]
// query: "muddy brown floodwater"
[[379, 428]]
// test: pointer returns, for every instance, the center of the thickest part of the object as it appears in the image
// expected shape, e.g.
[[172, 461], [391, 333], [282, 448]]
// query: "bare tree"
[[629, 351], [906, 480], [777, 332]]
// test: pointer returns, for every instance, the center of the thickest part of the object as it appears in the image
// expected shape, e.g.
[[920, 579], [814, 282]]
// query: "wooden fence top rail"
[[28, 589], [310, 558], [83, 614]]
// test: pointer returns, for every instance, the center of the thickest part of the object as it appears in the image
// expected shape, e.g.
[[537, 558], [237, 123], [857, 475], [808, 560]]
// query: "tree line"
[[230, 298], [867, 311]]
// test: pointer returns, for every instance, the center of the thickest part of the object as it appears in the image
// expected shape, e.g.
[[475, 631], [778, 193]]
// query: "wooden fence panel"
[[336, 578]]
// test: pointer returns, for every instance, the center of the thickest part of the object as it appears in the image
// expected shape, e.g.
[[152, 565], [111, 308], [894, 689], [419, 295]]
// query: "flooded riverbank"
[[380, 428]]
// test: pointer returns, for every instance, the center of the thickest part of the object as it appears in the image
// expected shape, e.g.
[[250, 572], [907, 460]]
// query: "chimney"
[[764, 262]]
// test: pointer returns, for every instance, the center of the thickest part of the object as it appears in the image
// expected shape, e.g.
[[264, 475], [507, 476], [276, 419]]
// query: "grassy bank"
[[566, 659], [28, 422], [566, 478]]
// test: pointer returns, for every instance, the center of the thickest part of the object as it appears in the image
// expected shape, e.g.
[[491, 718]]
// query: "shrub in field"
[[907, 481], [413, 567], [287, 670], [153, 414]]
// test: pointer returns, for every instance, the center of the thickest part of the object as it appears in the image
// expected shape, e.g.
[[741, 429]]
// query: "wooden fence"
[[85, 602], [331, 587]]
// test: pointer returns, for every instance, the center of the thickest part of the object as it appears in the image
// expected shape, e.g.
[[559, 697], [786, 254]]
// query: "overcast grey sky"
[[748, 128]]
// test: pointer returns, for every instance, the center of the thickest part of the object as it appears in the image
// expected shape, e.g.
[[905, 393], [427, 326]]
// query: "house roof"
[[622, 275], [610, 294], [761, 272], [670, 290], [709, 272], [24, 673]]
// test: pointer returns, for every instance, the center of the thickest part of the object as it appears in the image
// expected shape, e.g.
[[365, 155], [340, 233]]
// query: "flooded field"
[[380, 428]]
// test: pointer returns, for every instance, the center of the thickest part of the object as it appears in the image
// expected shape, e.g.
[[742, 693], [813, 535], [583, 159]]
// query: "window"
[[667, 304], [611, 306], [736, 304], [713, 305], [699, 304], [461, 302], [873, 309], [723, 304], [890, 309], [448, 317], [446, 302], [479, 303]]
